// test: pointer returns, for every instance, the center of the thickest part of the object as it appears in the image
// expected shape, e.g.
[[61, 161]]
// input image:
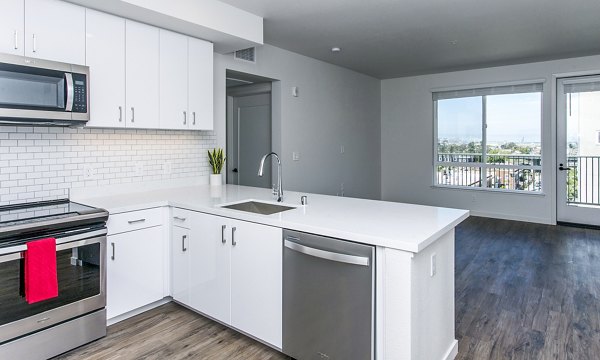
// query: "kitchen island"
[[414, 284]]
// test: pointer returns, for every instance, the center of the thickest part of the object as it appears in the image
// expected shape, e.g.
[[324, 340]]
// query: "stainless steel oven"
[[41, 92], [77, 316]]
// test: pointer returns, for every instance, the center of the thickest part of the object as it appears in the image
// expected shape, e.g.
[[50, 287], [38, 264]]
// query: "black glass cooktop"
[[46, 217], [17, 214]]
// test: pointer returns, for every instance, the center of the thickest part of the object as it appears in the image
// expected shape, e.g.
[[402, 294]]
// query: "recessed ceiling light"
[[453, 42], [335, 49]]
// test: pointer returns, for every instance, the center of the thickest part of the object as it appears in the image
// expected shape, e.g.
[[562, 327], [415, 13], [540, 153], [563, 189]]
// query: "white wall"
[[44, 163], [335, 107], [407, 139]]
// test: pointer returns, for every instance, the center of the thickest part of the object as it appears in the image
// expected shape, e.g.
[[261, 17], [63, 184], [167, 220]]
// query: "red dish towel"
[[41, 281]]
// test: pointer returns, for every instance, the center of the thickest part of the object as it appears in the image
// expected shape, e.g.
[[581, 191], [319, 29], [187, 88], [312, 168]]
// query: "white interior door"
[[251, 139], [578, 150]]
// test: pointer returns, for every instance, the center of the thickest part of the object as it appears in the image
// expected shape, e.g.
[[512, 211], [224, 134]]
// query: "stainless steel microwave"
[[42, 92]]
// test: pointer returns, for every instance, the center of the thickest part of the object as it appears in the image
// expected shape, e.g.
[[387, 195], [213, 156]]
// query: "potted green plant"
[[216, 159]]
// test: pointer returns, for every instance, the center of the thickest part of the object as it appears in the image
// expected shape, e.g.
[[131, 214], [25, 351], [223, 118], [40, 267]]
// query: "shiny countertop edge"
[[274, 220]]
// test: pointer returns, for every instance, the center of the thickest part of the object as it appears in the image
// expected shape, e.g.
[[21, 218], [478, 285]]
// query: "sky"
[[510, 118]]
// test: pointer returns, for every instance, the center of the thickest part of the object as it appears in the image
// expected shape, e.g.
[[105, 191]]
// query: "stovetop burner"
[[45, 217]]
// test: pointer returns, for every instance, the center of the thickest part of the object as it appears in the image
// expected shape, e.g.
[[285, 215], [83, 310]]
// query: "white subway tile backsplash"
[[43, 163]]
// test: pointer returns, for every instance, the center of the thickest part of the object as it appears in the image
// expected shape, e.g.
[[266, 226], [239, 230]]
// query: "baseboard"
[[503, 216], [138, 311], [452, 351]]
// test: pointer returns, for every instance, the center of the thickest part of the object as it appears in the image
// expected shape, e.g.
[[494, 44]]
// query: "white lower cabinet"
[[235, 273], [180, 264], [210, 270], [135, 270], [256, 280]]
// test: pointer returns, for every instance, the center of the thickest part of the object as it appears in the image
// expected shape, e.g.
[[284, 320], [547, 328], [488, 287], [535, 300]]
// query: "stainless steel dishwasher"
[[328, 298]]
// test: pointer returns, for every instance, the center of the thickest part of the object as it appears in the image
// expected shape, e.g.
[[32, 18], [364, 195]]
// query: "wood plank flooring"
[[527, 291], [172, 332], [523, 291]]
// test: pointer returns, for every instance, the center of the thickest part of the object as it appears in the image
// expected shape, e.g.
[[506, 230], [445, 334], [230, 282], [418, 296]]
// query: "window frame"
[[484, 165]]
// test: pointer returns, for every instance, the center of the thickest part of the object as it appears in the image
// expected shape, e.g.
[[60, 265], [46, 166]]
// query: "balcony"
[[504, 172], [520, 173], [583, 185]]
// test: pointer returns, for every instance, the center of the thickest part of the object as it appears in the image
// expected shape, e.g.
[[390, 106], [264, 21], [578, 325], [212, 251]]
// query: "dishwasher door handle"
[[327, 255]]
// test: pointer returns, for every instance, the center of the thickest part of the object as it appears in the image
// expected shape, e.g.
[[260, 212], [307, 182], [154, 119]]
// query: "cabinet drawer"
[[181, 218], [134, 220]]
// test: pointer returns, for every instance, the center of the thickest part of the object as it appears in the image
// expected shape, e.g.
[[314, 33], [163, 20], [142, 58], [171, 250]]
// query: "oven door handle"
[[10, 257], [91, 238]]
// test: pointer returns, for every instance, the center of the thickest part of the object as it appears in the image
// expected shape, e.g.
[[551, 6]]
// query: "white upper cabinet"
[[142, 75], [12, 27], [55, 30], [106, 35], [173, 80], [186, 82], [200, 84]]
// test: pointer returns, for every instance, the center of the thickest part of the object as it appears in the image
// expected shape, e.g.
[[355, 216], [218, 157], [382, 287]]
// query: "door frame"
[[249, 90], [556, 92]]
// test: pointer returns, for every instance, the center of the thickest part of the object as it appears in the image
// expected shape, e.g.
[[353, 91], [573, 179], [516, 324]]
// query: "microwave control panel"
[[80, 93]]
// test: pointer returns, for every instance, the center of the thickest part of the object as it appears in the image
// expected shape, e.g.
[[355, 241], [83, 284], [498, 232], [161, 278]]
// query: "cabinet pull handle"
[[34, 43], [233, 242], [223, 227], [184, 117], [179, 218], [112, 244], [120, 113], [194, 118], [132, 114], [183, 248], [131, 222], [16, 39]]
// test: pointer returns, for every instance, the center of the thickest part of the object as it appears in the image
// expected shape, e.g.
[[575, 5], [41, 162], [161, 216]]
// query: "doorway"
[[578, 150], [249, 128]]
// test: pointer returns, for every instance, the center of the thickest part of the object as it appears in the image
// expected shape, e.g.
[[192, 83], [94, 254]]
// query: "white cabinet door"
[[55, 30], [142, 75], [209, 279], [180, 264], [200, 84], [134, 270], [105, 55], [173, 80], [12, 27], [256, 281]]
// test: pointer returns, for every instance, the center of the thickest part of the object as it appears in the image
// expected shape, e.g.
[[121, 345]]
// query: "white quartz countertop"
[[400, 226]]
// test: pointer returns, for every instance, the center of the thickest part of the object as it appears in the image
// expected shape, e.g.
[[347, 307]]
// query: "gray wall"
[[335, 107], [407, 139]]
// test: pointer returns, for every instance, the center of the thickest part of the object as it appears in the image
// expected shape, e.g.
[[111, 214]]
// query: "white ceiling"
[[393, 38]]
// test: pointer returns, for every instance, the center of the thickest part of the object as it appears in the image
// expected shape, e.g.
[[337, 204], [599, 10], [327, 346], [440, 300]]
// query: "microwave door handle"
[[70, 92]]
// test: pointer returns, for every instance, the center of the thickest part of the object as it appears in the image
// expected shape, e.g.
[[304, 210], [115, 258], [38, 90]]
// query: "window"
[[489, 138]]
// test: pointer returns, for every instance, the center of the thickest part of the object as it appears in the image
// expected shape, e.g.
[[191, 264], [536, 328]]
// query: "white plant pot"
[[215, 179]]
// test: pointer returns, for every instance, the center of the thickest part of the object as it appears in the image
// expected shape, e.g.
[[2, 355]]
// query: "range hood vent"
[[248, 55]]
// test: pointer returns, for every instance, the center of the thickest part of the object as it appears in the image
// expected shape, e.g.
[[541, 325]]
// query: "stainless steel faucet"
[[279, 188]]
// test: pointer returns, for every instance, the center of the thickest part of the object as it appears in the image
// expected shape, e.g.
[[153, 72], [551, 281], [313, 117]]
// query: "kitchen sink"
[[259, 207]]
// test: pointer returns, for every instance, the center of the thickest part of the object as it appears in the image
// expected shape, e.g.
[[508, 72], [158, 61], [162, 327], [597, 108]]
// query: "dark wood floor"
[[527, 291], [523, 291]]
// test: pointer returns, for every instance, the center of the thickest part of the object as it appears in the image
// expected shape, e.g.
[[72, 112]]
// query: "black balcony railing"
[[583, 185], [508, 172]]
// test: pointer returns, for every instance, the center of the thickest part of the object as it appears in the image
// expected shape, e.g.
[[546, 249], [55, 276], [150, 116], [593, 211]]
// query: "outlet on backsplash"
[[167, 168], [138, 169], [89, 172]]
